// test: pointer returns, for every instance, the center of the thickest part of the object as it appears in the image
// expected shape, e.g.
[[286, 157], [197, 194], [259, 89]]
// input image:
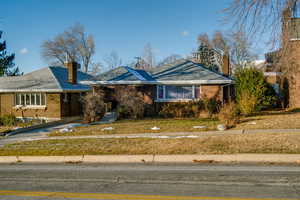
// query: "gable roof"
[[180, 72], [49, 79]]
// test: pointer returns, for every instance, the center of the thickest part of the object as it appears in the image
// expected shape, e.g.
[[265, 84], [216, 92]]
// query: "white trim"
[[183, 82], [19, 95], [29, 107], [174, 100]]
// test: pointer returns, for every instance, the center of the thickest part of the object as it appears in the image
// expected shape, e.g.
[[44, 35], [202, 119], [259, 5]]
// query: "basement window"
[[30, 99]]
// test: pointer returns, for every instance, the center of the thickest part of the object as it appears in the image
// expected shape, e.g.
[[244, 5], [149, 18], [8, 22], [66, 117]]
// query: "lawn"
[[222, 144], [262, 120], [4, 128], [144, 126], [271, 120]]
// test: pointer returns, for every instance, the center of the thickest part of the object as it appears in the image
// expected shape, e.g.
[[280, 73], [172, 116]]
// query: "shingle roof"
[[186, 70], [182, 71], [49, 79]]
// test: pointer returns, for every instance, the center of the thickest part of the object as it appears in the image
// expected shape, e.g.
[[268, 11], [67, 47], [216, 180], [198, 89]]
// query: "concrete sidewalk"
[[163, 135], [230, 158]]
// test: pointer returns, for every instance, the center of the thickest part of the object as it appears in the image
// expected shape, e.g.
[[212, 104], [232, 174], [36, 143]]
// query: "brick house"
[[182, 81], [282, 65], [51, 93]]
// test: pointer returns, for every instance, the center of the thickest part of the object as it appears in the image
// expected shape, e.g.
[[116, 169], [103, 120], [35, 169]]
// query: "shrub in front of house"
[[229, 115], [8, 120], [253, 93], [212, 106], [197, 109], [130, 103], [248, 103], [93, 107]]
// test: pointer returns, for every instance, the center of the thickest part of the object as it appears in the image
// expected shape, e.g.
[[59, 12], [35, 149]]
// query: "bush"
[[228, 115], [93, 107], [190, 109], [212, 106], [251, 84], [248, 103], [8, 120], [131, 103]]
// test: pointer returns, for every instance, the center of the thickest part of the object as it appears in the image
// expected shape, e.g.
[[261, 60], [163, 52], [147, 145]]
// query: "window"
[[160, 91], [30, 99], [173, 92]]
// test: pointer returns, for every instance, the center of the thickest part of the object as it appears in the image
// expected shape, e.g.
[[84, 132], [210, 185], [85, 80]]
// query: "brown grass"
[[271, 120], [225, 144], [4, 128], [144, 126]]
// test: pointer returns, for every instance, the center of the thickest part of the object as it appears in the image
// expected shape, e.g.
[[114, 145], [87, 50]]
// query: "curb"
[[238, 158]]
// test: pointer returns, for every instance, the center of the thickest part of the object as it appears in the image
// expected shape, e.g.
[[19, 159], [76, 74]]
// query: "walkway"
[[42, 133]]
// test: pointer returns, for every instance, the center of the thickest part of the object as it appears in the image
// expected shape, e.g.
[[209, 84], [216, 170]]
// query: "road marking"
[[105, 196]]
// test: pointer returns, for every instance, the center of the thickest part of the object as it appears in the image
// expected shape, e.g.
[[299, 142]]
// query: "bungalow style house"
[[182, 81], [51, 93]]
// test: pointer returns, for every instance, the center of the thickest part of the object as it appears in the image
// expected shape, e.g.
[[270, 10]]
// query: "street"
[[148, 181]]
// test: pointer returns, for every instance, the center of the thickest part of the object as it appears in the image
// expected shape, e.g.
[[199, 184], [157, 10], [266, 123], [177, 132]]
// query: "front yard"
[[263, 120], [144, 126], [4, 129], [271, 120], [221, 144], [214, 144]]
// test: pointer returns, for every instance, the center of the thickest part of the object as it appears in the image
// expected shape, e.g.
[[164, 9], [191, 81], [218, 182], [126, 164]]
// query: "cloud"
[[184, 33], [24, 51]]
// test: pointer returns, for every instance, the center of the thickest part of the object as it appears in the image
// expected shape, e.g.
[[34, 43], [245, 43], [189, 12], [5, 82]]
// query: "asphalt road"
[[142, 181]]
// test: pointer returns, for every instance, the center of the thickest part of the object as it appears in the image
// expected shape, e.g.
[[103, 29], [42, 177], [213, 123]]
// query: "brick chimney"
[[226, 65], [72, 67]]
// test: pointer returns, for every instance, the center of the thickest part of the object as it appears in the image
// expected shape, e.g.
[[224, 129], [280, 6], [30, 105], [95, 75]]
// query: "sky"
[[124, 26]]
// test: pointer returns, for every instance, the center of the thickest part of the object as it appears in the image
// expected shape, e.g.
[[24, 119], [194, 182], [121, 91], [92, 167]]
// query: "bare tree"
[[220, 41], [149, 56], [235, 44], [260, 16], [241, 54], [170, 59], [73, 43], [203, 39], [96, 68], [113, 60]]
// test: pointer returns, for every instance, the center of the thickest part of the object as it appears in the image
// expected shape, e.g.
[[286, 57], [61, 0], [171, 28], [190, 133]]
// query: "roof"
[[49, 79], [180, 72]]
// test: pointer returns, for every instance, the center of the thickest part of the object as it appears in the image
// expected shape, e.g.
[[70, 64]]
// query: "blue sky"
[[125, 26]]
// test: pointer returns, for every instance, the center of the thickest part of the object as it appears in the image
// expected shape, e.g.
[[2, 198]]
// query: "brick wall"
[[72, 106], [290, 65], [52, 109], [212, 91]]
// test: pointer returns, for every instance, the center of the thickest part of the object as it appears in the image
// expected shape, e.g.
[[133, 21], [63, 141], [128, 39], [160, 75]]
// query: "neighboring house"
[[282, 65], [183, 81], [50, 93]]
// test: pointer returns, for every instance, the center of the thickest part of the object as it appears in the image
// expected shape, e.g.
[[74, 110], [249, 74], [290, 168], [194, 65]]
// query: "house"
[[182, 81], [50, 93], [282, 65]]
